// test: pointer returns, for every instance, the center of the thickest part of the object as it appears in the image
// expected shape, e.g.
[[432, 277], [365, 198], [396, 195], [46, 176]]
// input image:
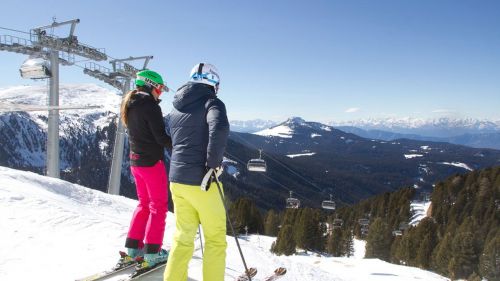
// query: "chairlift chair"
[[257, 165], [364, 230], [35, 68], [337, 223], [364, 222], [328, 204], [292, 203], [397, 233]]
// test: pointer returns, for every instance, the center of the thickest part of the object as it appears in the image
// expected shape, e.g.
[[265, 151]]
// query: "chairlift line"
[[283, 165], [26, 107], [264, 175], [15, 30]]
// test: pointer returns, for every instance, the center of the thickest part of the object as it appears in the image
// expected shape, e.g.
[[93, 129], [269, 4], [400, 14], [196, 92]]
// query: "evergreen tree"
[[334, 243], [271, 224], [489, 264], [244, 213], [426, 239], [348, 240], [442, 254], [378, 242], [425, 252], [396, 256], [464, 258], [285, 244], [308, 230]]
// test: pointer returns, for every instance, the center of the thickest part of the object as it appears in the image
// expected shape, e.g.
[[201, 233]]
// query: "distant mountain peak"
[[295, 120], [291, 126]]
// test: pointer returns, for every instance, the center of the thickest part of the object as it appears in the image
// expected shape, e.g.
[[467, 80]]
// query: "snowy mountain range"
[[61, 231], [347, 165], [327, 159], [470, 132], [85, 135], [440, 127]]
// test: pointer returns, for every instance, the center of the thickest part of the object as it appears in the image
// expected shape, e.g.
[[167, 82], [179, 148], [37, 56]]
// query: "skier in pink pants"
[[143, 118]]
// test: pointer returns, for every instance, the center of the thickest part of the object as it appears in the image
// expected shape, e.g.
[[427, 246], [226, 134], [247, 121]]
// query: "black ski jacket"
[[199, 129], [146, 130]]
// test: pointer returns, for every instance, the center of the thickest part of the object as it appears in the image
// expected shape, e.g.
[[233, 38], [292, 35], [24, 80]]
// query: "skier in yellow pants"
[[199, 130], [192, 206]]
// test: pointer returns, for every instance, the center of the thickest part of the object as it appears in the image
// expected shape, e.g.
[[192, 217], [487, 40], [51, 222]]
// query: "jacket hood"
[[191, 93], [141, 98]]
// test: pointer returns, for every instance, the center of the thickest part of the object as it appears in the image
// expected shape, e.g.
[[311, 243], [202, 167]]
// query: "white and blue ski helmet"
[[205, 73]]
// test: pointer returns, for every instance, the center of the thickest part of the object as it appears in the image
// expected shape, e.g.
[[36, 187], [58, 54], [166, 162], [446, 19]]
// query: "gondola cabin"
[[397, 233], [257, 165], [292, 203], [364, 222], [328, 204], [337, 223], [35, 68]]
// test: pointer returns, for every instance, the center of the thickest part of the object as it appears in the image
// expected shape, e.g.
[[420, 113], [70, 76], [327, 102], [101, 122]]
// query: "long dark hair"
[[126, 101]]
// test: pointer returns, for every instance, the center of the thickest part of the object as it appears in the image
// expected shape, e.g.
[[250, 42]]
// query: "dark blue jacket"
[[199, 130]]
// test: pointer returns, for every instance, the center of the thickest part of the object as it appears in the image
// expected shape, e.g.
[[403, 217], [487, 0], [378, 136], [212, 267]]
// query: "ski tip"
[[280, 271], [252, 271]]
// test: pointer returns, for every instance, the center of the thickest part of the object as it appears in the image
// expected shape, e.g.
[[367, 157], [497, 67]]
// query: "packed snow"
[[457, 164], [301, 154], [419, 211], [281, 131], [410, 156], [62, 231]]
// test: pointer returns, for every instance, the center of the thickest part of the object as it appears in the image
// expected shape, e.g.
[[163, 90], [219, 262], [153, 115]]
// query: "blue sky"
[[321, 60]]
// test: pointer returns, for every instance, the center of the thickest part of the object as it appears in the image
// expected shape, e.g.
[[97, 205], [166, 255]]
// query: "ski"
[[155, 272], [120, 268], [278, 273], [252, 271]]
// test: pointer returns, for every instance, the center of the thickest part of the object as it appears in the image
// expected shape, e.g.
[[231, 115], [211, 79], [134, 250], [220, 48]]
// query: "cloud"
[[352, 110]]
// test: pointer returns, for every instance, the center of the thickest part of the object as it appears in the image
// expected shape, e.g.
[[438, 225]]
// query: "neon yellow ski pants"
[[192, 207]]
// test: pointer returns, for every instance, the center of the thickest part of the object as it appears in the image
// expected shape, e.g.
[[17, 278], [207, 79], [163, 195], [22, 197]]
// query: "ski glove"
[[210, 176]]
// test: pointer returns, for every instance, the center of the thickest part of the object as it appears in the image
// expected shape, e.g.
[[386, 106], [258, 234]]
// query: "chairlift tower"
[[118, 77], [51, 48], [121, 69]]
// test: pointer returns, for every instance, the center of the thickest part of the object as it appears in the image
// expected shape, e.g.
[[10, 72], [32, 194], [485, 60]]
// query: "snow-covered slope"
[[288, 128], [54, 230], [419, 211]]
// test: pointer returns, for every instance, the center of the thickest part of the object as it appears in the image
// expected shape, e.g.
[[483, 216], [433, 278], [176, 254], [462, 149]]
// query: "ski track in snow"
[[63, 231]]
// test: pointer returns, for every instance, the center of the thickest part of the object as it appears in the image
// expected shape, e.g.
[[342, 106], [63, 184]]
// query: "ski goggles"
[[152, 83]]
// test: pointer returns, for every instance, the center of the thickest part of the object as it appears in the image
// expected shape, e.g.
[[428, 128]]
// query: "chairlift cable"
[[15, 30], [283, 165], [266, 176]]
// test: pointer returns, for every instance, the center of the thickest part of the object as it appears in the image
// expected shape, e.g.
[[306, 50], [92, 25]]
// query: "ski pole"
[[231, 225], [201, 241]]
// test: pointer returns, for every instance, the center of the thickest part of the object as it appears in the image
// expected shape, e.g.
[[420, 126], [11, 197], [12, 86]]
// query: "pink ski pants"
[[148, 220]]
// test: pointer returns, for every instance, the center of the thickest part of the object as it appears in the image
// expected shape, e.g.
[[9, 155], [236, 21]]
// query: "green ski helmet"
[[150, 78]]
